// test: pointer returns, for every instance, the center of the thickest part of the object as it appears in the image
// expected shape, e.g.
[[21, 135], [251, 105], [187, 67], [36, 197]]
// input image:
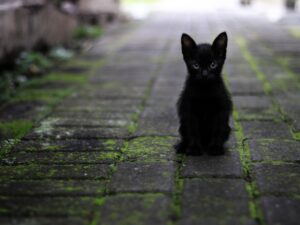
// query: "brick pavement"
[[100, 150]]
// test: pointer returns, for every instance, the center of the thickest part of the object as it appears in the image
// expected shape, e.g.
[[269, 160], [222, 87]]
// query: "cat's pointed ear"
[[220, 45], [188, 45]]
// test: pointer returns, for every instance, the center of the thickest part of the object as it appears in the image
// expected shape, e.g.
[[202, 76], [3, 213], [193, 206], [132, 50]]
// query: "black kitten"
[[204, 106]]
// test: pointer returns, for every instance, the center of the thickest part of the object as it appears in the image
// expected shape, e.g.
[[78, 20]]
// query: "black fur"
[[204, 106]]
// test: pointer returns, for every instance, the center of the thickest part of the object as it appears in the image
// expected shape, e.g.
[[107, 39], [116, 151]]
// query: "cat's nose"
[[204, 73]]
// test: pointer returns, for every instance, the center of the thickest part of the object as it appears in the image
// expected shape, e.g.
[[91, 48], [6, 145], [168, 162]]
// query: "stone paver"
[[221, 166], [280, 210], [283, 179], [141, 177], [205, 199], [128, 209], [95, 144]]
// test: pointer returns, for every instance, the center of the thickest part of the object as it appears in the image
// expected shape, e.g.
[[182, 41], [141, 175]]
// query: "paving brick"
[[34, 171], [150, 149], [44, 221], [210, 199], [146, 209], [158, 120], [69, 145], [266, 129], [77, 133], [90, 123], [46, 206], [252, 102], [269, 150], [22, 110], [281, 210], [217, 221], [255, 108], [52, 188], [143, 177], [281, 179], [61, 157], [289, 103], [227, 165], [92, 115], [245, 86]]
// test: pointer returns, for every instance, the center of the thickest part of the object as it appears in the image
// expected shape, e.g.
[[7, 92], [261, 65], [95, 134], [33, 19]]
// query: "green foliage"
[[31, 63], [87, 32], [15, 129], [7, 87]]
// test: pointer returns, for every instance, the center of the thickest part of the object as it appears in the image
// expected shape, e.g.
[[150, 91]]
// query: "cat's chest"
[[205, 102]]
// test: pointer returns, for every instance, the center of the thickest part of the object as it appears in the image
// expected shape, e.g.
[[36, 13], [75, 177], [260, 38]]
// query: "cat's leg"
[[181, 146], [195, 146], [220, 134]]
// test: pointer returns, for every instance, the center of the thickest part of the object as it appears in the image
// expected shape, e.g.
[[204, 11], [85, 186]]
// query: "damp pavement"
[[92, 142]]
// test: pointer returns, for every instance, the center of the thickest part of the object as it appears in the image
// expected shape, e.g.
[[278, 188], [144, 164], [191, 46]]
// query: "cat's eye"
[[196, 66], [213, 65]]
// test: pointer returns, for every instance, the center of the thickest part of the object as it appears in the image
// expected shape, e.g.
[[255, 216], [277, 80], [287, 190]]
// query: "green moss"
[[293, 77], [100, 201], [59, 76], [151, 199], [294, 31], [149, 149], [49, 96], [252, 62], [87, 32], [245, 157], [296, 135], [108, 156], [132, 127], [15, 129], [7, 145], [53, 147], [110, 144]]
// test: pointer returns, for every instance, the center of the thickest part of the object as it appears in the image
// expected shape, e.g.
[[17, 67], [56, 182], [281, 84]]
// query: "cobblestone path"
[[100, 149]]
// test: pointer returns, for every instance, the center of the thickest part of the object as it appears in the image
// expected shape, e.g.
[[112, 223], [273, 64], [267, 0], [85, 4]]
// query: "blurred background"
[[35, 34]]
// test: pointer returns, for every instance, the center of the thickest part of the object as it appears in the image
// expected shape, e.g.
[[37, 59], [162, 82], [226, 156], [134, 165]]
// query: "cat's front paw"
[[180, 147], [194, 151], [216, 150]]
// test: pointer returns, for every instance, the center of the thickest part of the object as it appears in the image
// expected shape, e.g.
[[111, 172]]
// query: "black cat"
[[204, 106]]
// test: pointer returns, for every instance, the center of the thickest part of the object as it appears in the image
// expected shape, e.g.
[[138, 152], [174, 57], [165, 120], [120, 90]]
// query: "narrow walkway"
[[104, 154]]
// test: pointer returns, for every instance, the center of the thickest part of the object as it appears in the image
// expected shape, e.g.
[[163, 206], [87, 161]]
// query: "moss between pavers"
[[178, 192], [284, 62], [58, 77], [50, 97], [294, 31], [11, 132], [252, 62], [144, 206], [244, 150], [296, 135], [267, 114], [15, 129], [266, 84], [7, 145], [149, 149], [82, 63]]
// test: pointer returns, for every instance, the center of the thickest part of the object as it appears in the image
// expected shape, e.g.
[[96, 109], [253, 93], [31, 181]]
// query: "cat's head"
[[204, 61]]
